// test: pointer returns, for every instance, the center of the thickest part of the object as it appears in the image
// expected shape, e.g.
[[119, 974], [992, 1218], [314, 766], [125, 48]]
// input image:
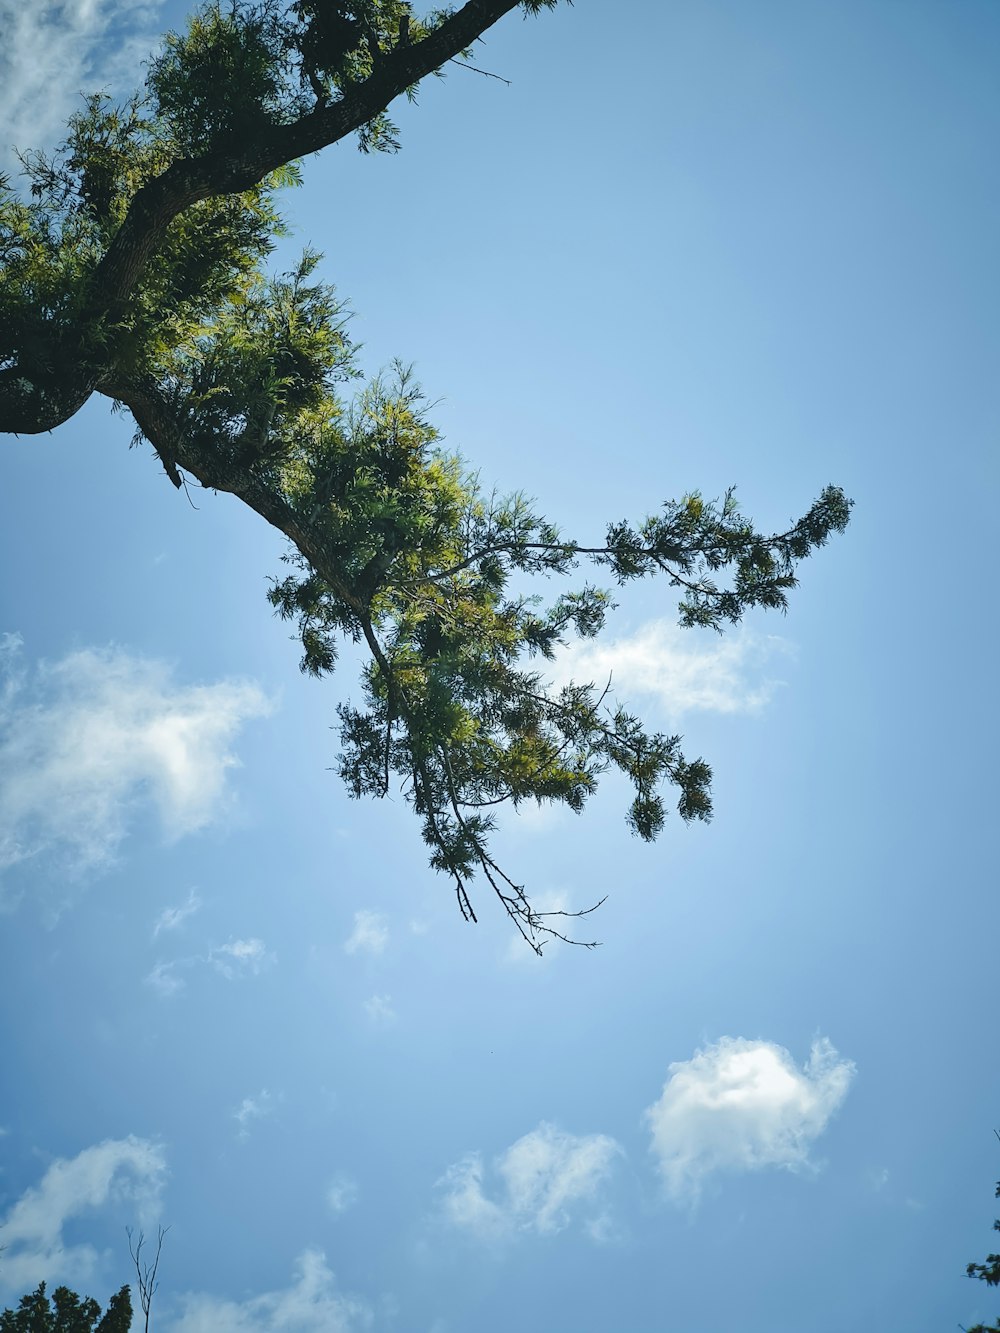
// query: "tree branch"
[[33, 397]]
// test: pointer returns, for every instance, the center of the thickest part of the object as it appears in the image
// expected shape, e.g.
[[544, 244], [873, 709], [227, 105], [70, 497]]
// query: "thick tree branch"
[[177, 447], [233, 169], [42, 394]]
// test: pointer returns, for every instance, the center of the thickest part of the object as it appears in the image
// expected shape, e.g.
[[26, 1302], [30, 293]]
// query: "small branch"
[[464, 64], [146, 1273]]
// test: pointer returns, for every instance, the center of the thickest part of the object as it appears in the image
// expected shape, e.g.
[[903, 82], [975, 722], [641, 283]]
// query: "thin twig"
[[146, 1273], [465, 65]]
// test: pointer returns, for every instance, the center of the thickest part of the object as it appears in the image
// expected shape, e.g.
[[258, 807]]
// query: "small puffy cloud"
[[88, 741], [370, 934], [341, 1193], [742, 1105], [127, 1171], [233, 961], [545, 1177], [682, 670], [258, 1107], [53, 52], [310, 1304], [379, 1010], [172, 917]]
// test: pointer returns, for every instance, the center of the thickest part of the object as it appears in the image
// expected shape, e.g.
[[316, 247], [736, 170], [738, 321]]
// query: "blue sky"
[[690, 246]]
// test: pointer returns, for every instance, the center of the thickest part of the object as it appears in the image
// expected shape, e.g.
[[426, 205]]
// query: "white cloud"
[[172, 917], [310, 1304], [165, 978], [258, 1107], [465, 1204], [683, 670], [93, 737], [55, 49], [742, 1105], [341, 1193], [545, 1177], [379, 1009], [233, 961], [240, 958], [370, 934], [127, 1172]]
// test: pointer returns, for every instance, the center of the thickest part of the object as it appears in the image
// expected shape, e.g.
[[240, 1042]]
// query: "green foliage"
[[988, 1272], [224, 78], [240, 68], [261, 369], [340, 43], [235, 376], [66, 1312], [401, 549], [51, 245], [397, 545]]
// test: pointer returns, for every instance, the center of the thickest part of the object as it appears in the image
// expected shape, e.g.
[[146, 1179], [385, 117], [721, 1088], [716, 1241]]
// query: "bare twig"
[[465, 65], [145, 1272]]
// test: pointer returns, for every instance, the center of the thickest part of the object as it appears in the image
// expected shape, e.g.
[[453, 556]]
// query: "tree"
[[988, 1272], [66, 1312], [145, 1272], [134, 268]]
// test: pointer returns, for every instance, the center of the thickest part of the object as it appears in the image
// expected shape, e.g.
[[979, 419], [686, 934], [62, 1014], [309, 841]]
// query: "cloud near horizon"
[[131, 1169], [741, 1105], [545, 1178], [90, 740], [311, 1303]]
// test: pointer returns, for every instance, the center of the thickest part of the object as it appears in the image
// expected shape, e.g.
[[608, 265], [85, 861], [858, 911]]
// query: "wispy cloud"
[[129, 1169], [379, 1010], [743, 1105], [87, 741], [240, 958], [370, 934], [166, 977], [55, 49], [682, 670], [172, 917], [544, 1178], [234, 961], [341, 1193], [260, 1106], [310, 1304]]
